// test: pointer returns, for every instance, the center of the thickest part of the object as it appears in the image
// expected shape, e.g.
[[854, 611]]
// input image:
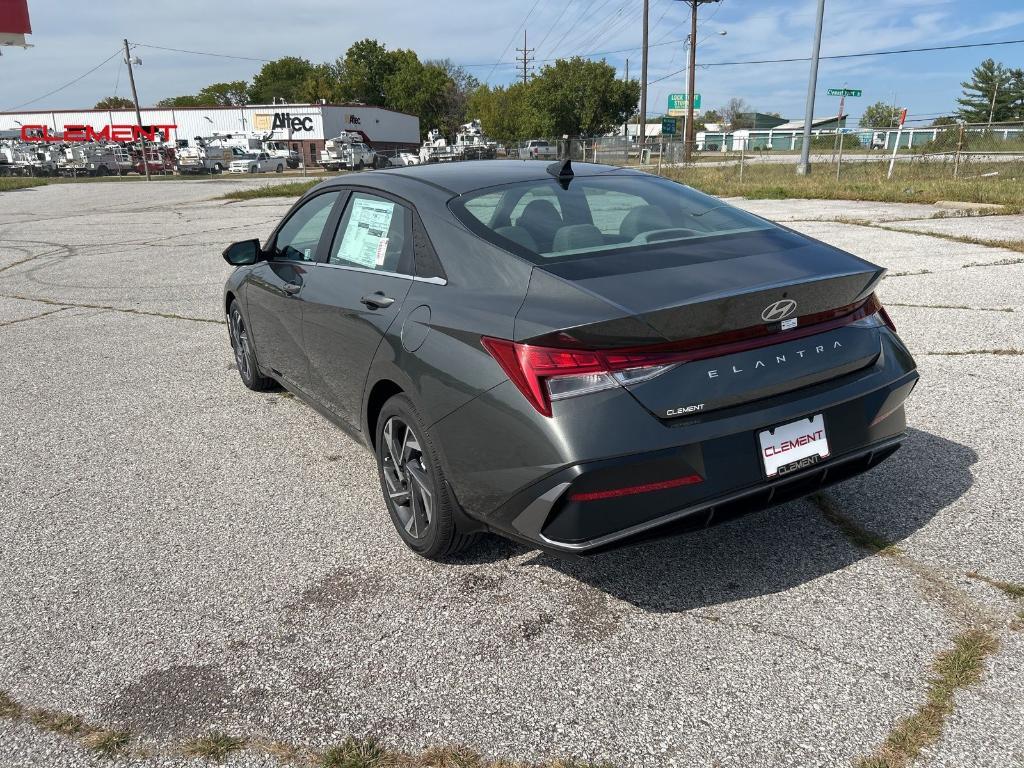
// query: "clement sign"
[[81, 133]]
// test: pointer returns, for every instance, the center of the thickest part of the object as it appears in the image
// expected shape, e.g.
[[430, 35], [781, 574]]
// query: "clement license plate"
[[793, 446]]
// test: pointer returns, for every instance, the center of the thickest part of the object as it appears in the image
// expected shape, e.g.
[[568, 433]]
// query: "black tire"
[[359, 165], [245, 352], [434, 532], [218, 168], [280, 168]]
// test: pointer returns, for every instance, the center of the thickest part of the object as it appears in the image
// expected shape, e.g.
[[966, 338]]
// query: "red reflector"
[[631, 490]]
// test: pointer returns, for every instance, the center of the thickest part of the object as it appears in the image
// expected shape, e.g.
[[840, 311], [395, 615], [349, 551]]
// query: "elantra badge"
[[780, 310]]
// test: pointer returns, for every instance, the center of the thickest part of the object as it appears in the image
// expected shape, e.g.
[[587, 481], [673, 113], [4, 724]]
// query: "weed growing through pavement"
[[954, 670], [215, 745]]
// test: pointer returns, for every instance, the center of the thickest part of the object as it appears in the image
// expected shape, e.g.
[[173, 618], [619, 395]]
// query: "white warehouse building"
[[304, 126]]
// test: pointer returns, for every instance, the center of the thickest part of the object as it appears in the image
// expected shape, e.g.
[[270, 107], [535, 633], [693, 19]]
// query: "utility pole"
[[642, 125], [625, 125], [526, 59], [689, 135], [995, 92], [803, 168], [138, 111]]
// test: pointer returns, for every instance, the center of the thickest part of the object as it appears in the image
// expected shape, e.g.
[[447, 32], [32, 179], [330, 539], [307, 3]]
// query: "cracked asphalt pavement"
[[180, 554]]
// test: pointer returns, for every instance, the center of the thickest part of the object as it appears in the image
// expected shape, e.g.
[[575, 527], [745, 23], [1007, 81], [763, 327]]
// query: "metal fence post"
[[839, 161], [743, 156], [959, 149]]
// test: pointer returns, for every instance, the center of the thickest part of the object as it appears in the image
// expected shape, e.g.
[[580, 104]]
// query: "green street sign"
[[668, 126], [845, 92], [678, 101]]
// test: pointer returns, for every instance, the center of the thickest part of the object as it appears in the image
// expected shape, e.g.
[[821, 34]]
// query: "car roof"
[[469, 175]]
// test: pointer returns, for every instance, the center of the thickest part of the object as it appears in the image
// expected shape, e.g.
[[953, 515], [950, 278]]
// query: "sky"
[[71, 39]]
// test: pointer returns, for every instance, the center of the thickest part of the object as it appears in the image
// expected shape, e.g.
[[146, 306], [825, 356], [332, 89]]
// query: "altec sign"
[[82, 133]]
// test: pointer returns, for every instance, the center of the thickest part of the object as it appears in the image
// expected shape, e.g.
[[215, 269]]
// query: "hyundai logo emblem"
[[780, 310]]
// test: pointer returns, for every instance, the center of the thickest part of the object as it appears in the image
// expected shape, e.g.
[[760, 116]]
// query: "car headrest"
[[576, 236], [519, 236], [540, 213], [644, 218]]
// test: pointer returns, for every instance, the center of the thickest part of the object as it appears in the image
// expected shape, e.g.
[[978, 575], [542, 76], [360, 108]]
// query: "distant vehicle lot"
[[181, 555]]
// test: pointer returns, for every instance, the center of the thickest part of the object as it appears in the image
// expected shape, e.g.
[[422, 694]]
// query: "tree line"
[[575, 97]]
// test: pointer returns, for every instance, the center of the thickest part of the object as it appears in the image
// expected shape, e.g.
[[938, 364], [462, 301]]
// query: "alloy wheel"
[[409, 486], [240, 343]]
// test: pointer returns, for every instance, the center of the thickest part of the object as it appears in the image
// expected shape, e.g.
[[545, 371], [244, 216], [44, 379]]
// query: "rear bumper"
[[519, 476]]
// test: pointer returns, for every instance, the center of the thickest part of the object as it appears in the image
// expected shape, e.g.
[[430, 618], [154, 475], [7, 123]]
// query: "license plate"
[[793, 446]]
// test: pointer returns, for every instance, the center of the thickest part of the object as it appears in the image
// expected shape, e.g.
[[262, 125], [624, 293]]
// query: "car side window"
[[373, 234], [299, 237]]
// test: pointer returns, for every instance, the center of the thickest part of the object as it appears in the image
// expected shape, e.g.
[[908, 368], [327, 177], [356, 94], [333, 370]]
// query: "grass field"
[[16, 182], [858, 181], [292, 189]]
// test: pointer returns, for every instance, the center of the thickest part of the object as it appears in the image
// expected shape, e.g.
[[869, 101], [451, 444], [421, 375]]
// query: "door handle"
[[377, 300], [291, 288]]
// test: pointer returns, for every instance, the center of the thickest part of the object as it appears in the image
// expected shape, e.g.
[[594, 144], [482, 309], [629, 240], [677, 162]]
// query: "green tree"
[[578, 97], [115, 102], [880, 115], [323, 82], [281, 79], [508, 114], [454, 109], [988, 94], [181, 101], [233, 94], [365, 70], [939, 122], [419, 89]]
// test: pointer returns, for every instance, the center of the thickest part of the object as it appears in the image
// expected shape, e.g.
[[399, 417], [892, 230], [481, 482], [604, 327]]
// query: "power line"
[[202, 53], [570, 29], [66, 85], [526, 59], [522, 25], [845, 56], [554, 24]]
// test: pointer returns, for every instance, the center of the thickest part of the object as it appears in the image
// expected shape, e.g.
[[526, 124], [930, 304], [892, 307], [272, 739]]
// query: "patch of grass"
[[357, 753], [215, 745], [1010, 589], [918, 183], [8, 183], [954, 670], [9, 708], [107, 743], [292, 189], [960, 352], [450, 757], [1017, 625], [950, 306], [858, 536], [58, 722]]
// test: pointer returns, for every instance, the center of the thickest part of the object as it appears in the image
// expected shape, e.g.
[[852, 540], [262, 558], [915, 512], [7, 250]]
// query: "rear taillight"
[[544, 374]]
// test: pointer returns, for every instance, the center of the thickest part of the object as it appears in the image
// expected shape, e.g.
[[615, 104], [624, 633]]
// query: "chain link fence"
[[955, 151]]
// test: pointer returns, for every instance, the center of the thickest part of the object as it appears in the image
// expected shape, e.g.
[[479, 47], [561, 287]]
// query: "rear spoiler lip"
[[740, 340]]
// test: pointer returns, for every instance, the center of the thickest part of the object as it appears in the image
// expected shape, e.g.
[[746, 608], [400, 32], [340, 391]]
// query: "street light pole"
[[803, 168], [138, 111]]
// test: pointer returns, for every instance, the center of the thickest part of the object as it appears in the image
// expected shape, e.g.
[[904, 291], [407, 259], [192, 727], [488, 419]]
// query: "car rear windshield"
[[597, 215]]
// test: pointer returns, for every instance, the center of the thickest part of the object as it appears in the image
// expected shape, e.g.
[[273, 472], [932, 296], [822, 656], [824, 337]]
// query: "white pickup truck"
[[260, 163], [537, 149]]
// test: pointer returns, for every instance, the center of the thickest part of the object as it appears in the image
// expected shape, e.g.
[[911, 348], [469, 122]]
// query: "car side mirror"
[[242, 253]]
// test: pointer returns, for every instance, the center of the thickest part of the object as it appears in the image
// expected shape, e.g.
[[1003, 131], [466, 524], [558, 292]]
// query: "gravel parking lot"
[[180, 554]]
